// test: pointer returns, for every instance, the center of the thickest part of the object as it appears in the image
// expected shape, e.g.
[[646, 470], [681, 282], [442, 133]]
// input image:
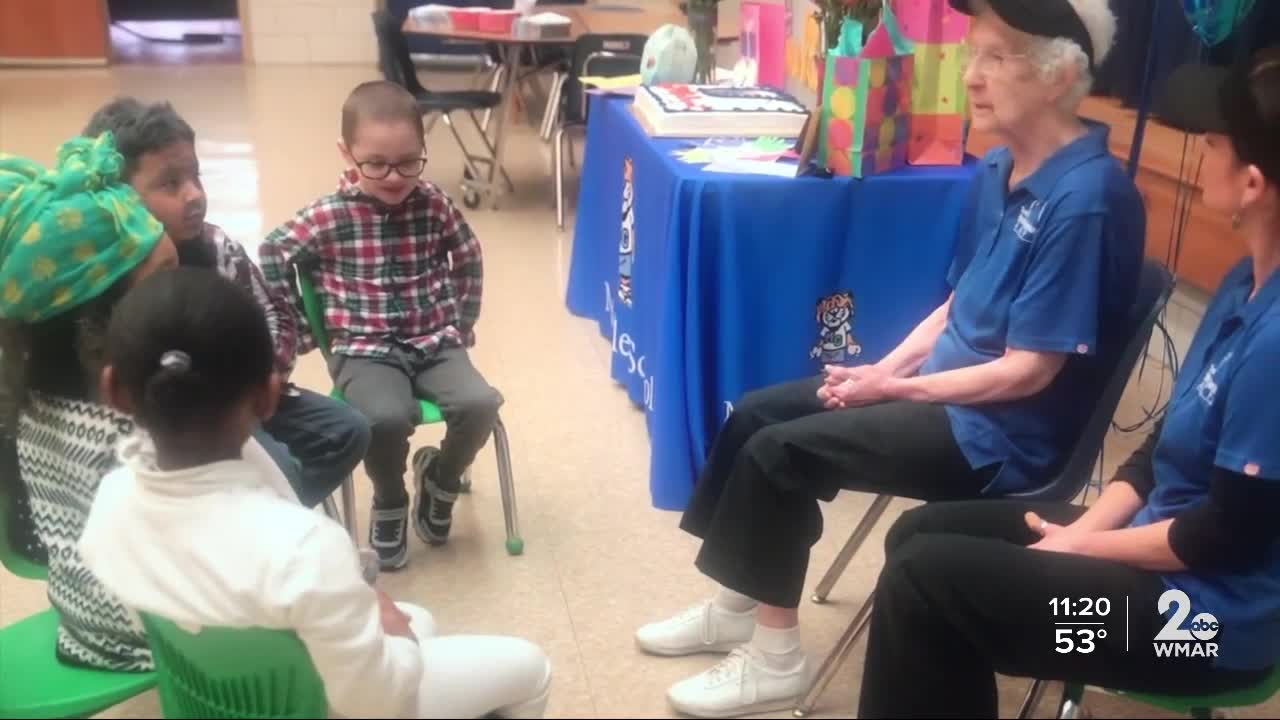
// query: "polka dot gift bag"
[[866, 99]]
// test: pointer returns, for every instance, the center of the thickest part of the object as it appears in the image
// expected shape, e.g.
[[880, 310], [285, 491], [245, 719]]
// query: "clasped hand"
[[848, 387]]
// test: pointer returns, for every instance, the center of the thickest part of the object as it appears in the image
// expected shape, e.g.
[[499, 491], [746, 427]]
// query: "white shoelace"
[[731, 668]]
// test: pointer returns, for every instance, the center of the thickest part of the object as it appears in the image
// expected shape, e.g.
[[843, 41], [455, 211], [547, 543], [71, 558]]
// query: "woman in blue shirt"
[[1170, 582]]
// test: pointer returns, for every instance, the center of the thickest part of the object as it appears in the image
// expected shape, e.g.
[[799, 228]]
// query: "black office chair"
[[397, 66], [598, 55], [1156, 285]]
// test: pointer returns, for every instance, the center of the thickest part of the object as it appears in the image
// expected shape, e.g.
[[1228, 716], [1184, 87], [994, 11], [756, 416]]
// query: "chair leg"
[[493, 152], [515, 544], [495, 82], [553, 105], [859, 536], [558, 166], [1032, 700], [835, 659], [349, 507]]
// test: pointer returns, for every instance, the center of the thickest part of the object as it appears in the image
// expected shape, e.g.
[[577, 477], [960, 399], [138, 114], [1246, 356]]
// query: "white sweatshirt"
[[228, 545]]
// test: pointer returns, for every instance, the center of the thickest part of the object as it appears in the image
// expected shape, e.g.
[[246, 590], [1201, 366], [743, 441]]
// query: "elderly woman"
[[1170, 581], [73, 240], [986, 396]]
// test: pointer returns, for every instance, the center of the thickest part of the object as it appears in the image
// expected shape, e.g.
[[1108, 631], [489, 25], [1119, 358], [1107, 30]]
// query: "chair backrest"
[[312, 308], [607, 55], [1156, 285], [393, 53], [234, 673], [13, 557]]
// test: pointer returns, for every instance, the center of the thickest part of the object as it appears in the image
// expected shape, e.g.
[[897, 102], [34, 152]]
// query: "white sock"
[[734, 602], [780, 646]]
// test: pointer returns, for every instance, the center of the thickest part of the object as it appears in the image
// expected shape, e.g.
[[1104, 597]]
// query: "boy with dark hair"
[[399, 273], [327, 438]]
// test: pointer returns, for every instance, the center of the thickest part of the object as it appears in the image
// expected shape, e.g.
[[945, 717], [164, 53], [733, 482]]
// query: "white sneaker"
[[741, 684], [702, 628]]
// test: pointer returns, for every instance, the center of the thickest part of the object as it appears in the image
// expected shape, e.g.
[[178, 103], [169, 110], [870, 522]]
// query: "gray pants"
[[386, 390]]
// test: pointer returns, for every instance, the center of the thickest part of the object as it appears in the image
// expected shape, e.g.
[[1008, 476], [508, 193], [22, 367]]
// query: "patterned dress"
[[65, 447]]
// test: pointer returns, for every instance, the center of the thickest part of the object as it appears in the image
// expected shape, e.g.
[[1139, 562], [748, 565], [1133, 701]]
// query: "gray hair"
[[1053, 55]]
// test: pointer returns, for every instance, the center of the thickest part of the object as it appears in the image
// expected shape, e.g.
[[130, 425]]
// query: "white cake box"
[[543, 26], [432, 17]]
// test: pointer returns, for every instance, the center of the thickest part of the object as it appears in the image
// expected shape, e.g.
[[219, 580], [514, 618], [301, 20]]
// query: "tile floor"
[[599, 560]]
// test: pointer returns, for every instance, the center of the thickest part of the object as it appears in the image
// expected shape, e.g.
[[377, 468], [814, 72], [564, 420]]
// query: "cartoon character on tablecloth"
[[836, 343], [627, 244]]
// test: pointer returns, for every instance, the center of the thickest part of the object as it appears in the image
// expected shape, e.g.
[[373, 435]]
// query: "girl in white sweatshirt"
[[198, 526]]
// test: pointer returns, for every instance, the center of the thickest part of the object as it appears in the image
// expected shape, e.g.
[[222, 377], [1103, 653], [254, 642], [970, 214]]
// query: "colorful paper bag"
[[931, 21], [938, 99], [763, 41], [866, 100]]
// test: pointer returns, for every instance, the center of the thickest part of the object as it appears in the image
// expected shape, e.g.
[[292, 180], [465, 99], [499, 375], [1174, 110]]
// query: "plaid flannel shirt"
[[232, 262], [387, 277]]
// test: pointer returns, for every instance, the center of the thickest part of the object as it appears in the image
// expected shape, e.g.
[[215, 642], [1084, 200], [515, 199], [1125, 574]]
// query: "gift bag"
[[866, 100], [938, 94], [763, 41]]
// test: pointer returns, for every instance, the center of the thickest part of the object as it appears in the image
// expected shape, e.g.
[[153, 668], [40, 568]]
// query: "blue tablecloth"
[[727, 271]]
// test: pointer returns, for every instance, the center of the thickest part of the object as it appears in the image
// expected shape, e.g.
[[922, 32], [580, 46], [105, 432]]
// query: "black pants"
[[756, 504], [961, 598]]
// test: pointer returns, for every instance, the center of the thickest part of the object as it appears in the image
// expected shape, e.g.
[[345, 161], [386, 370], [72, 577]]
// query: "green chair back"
[[234, 673]]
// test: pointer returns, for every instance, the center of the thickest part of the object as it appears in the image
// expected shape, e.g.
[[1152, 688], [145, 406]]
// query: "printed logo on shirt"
[[627, 244], [1208, 387], [1029, 221], [1173, 640], [835, 343]]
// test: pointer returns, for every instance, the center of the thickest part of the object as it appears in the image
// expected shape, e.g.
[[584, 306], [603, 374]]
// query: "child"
[[400, 275], [198, 526], [327, 438]]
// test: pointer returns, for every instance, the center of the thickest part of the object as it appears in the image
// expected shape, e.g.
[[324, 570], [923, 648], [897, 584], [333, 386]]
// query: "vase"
[[702, 25]]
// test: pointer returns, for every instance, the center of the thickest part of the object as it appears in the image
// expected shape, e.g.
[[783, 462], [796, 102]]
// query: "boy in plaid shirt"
[[399, 273]]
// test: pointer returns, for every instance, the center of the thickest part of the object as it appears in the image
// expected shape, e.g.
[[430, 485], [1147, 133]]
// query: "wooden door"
[[52, 32]]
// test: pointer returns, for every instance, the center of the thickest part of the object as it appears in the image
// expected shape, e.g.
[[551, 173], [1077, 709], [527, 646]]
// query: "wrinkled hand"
[[1054, 538], [394, 621], [854, 387]]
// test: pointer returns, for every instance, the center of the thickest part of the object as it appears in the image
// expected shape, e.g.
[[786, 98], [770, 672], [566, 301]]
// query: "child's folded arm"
[[279, 313], [336, 614], [284, 248], [467, 268]]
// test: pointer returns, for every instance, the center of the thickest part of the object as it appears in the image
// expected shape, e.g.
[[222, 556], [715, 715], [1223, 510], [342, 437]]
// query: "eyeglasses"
[[379, 170], [991, 62]]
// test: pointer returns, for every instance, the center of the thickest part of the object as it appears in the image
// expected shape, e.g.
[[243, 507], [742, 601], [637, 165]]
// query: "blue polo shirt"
[[1051, 265], [1225, 413]]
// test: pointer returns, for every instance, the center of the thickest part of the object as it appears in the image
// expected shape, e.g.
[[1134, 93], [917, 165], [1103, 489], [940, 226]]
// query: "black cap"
[[1241, 102], [1043, 18]]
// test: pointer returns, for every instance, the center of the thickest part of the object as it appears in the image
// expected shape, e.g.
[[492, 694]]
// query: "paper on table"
[[752, 167], [524, 6], [611, 83]]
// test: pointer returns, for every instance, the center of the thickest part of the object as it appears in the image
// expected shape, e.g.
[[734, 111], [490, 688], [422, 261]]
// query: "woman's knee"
[[908, 525]]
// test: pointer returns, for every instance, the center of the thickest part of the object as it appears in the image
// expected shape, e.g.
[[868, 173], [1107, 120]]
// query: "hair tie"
[[175, 361]]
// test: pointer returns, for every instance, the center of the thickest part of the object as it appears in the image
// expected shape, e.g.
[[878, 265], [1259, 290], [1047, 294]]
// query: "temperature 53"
[[1073, 639]]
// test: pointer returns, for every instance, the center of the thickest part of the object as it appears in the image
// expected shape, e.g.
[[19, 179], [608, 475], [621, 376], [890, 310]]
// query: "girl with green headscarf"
[[73, 240]]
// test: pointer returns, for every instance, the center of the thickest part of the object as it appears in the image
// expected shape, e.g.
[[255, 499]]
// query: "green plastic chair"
[[430, 413], [33, 682], [1196, 706], [234, 673]]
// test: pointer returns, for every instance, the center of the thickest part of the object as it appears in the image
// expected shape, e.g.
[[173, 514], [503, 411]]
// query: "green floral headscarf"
[[70, 233]]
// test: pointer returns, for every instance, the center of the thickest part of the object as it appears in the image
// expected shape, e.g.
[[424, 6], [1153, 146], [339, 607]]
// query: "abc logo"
[[1204, 626]]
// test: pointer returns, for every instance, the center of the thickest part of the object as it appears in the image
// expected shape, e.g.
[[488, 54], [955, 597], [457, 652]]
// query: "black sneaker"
[[388, 536], [433, 506]]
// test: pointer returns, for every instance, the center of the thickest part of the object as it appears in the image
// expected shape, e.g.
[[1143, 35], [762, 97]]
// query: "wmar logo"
[[1028, 223], [1173, 640]]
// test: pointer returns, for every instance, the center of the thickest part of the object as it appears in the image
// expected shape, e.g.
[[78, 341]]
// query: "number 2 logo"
[[1203, 626]]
